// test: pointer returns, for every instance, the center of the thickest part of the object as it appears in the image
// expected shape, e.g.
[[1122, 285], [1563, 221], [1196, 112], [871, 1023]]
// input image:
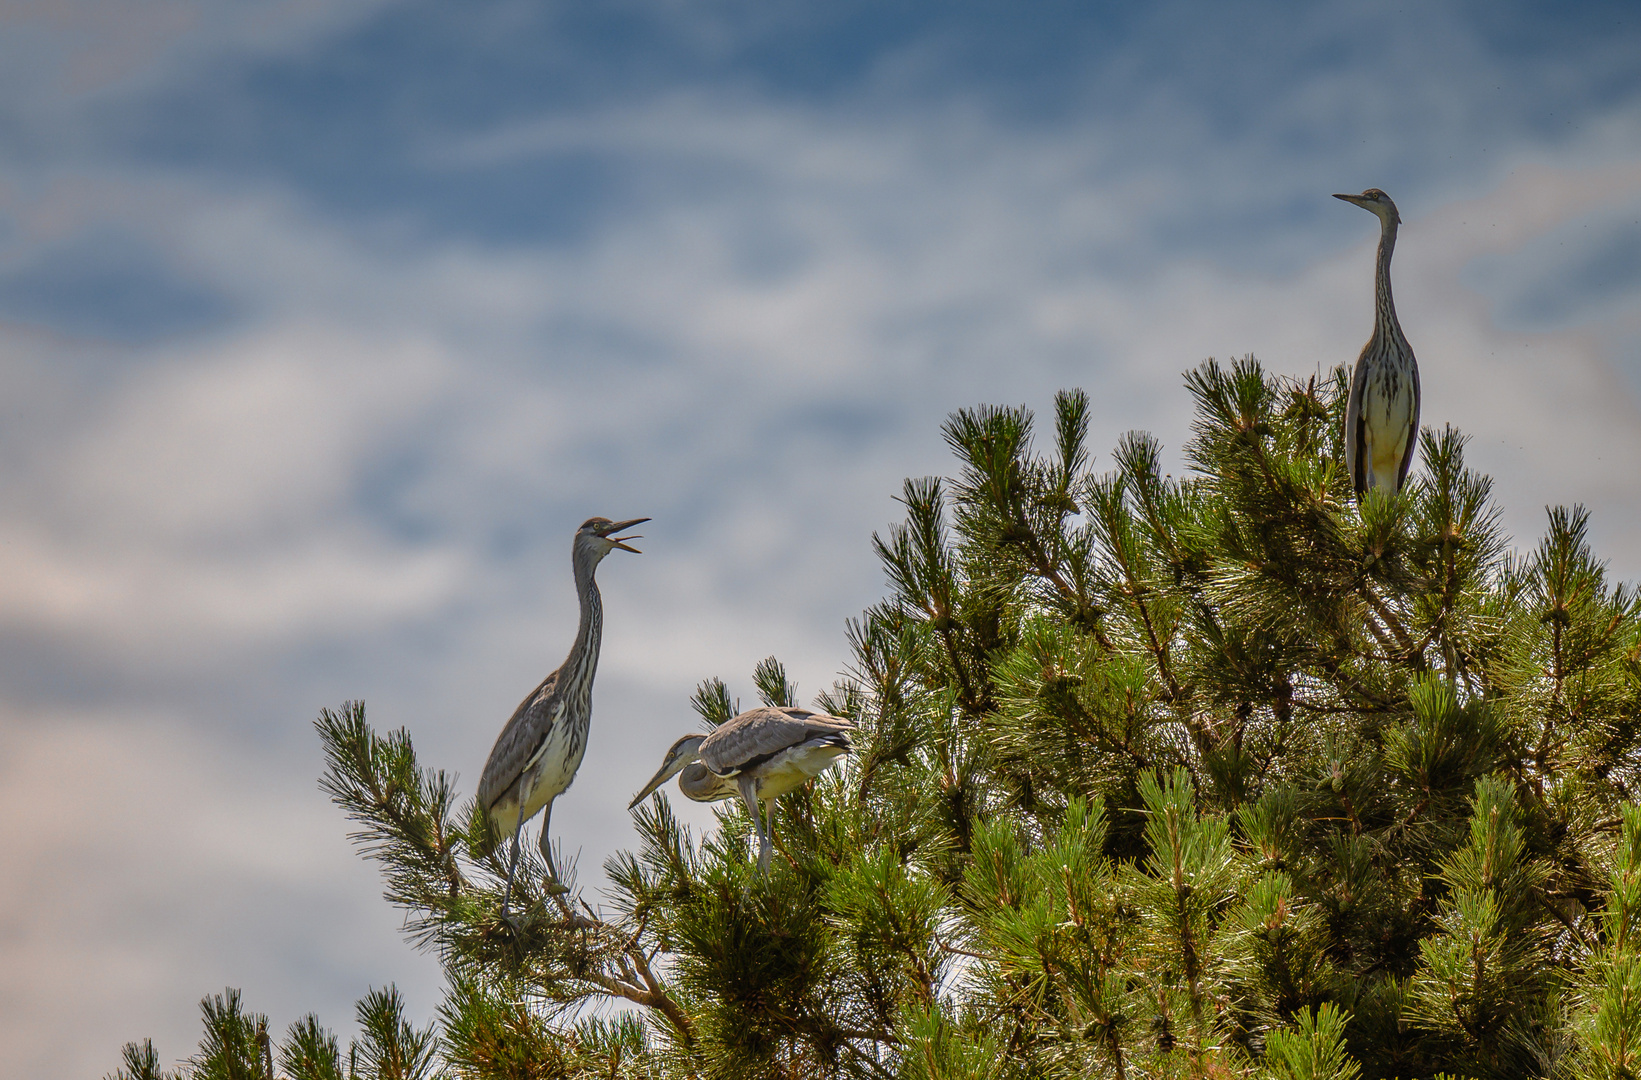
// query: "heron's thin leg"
[[750, 795], [768, 836], [776, 841], [546, 843], [513, 861]]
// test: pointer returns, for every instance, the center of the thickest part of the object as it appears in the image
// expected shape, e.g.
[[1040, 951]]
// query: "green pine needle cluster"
[[1217, 775]]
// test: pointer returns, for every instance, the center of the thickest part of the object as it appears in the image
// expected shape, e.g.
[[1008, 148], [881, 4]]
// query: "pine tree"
[[1209, 776]]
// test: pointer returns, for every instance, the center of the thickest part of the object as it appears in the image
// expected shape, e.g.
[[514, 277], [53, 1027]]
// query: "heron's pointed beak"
[[1357, 199], [616, 527], [672, 767]]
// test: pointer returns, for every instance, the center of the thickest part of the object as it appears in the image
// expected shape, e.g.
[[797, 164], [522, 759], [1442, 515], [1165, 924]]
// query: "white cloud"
[[205, 502], [386, 455], [255, 438], [79, 47], [148, 865]]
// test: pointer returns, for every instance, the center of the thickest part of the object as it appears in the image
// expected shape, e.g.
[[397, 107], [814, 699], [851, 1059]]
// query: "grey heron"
[[1382, 414], [539, 750], [761, 755]]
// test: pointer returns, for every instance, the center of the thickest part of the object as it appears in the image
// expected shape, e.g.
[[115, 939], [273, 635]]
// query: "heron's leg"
[[775, 840], [768, 836], [513, 860], [546, 845], [749, 793]]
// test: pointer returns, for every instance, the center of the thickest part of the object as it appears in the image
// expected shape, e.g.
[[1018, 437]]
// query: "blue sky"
[[321, 328]]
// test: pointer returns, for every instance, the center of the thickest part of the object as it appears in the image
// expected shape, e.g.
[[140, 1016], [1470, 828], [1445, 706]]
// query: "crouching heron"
[[537, 754], [761, 755]]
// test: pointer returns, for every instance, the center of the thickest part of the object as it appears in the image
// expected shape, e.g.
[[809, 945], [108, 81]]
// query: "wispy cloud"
[[760, 293]]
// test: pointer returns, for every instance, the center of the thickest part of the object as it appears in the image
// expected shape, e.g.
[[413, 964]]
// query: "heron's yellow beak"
[[667, 772], [1357, 199], [617, 526]]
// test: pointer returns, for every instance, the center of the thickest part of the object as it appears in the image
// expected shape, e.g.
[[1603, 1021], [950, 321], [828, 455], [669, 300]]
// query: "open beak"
[[616, 527], [668, 770]]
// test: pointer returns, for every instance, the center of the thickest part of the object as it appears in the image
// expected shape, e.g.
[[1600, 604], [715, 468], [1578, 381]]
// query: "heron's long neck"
[[1384, 307], [583, 660]]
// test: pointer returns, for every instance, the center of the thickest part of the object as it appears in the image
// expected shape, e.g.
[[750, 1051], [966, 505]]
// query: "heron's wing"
[[520, 741], [757, 734], [819, 723], [1355, 424], [1413, 427]]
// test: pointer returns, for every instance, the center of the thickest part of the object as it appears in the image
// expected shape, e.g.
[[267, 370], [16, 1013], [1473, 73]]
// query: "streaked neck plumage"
[[1384, 321], [583, 659]]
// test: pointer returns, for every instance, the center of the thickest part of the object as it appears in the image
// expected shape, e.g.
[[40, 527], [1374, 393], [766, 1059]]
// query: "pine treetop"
[[1219, 775]]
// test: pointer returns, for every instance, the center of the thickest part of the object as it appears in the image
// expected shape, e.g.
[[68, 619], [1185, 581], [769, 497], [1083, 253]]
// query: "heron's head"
[[681, 753], [597, 538], [1377, 201]]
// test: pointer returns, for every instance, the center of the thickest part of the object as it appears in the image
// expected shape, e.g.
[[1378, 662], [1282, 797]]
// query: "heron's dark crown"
[[678, 747]]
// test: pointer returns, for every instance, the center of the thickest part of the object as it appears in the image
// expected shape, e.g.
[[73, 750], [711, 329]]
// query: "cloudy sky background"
[[323, 325]]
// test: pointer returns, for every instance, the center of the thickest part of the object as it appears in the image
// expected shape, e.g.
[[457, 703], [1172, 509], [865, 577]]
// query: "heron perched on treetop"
[[1382, 415], [763, 753], [537, 754]]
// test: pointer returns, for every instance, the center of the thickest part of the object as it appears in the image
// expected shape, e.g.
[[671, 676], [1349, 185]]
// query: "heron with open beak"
[[538, 752]]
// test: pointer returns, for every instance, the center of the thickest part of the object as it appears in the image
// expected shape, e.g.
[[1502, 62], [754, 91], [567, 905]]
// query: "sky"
[[323, 326]]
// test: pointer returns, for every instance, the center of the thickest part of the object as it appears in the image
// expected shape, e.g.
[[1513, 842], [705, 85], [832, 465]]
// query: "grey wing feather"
[[519, 740], [759, 733], [1355, 437], [1413, 434]]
